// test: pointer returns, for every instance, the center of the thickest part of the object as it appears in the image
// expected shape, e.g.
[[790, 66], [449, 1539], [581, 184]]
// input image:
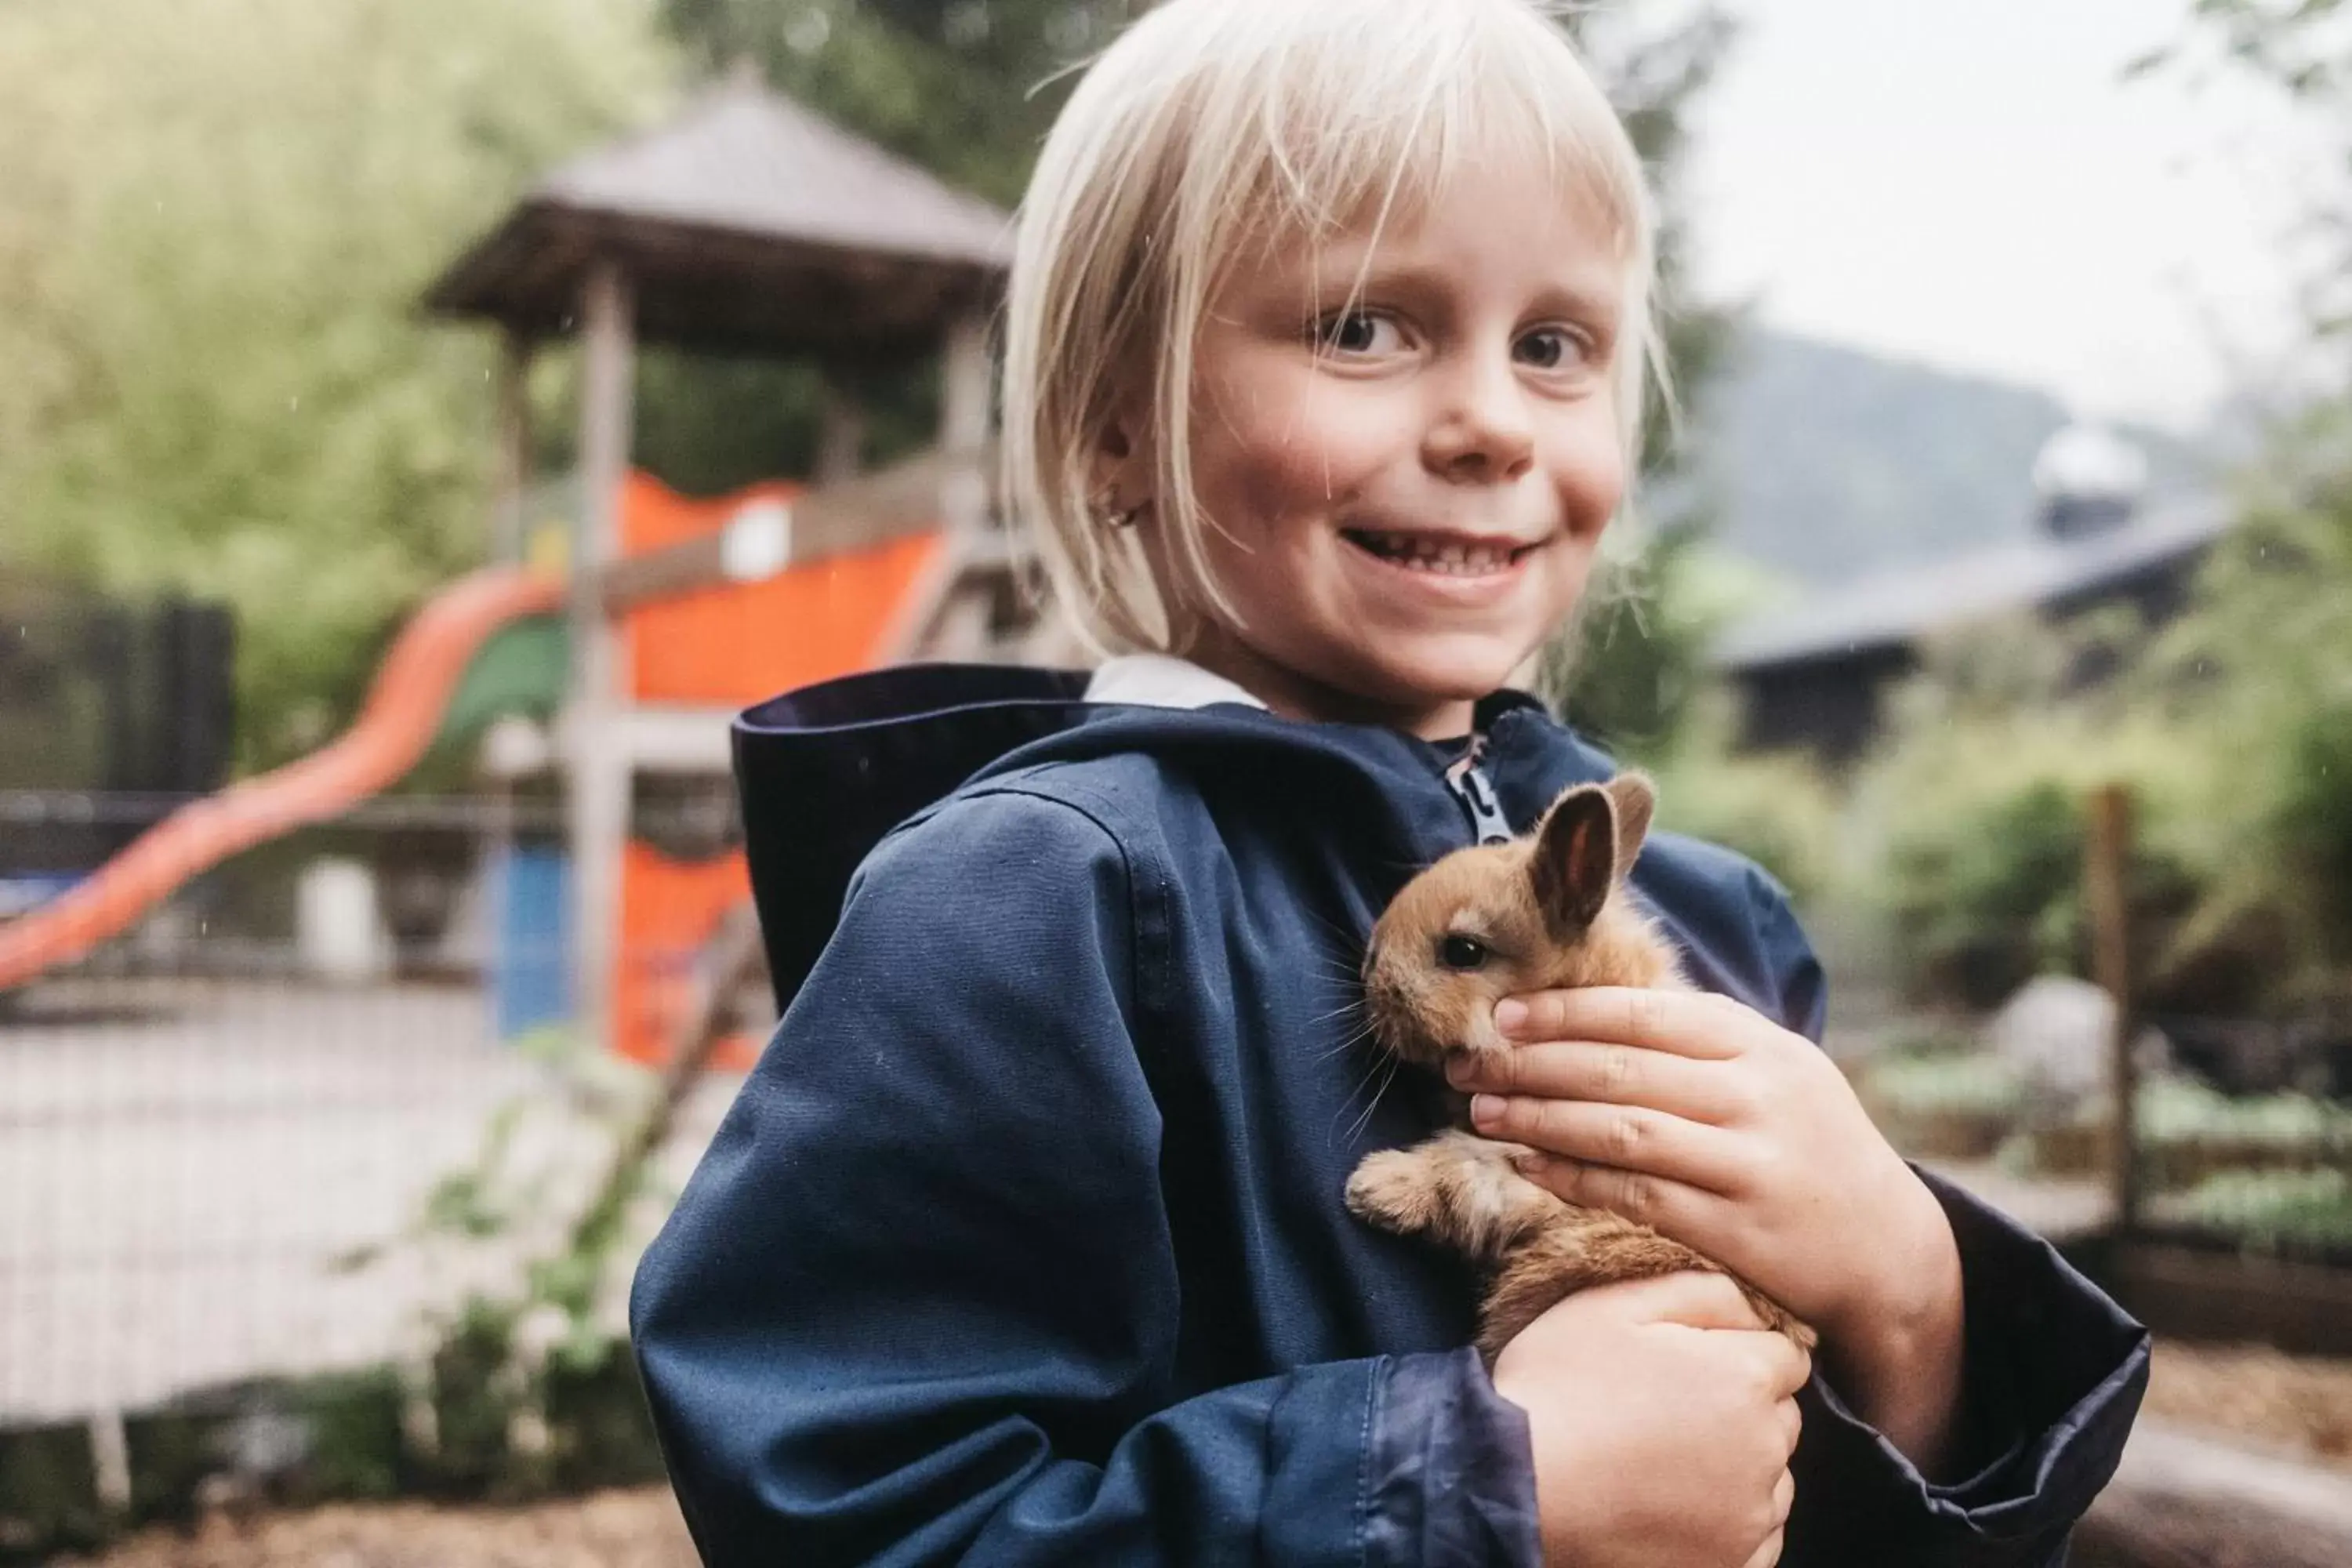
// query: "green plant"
[[2270, 1209], [1969, 820], [1778, 810], [1943, 1083], [522, 1368], [2178, 1111]]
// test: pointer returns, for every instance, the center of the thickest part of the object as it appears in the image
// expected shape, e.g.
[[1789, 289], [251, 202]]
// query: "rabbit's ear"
[[1636, 799], [1574, 859]]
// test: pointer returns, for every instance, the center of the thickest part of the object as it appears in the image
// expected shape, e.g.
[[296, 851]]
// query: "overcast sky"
[[1967, 183]]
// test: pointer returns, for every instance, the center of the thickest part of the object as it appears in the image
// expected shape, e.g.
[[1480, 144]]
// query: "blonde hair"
[[1214, 124]]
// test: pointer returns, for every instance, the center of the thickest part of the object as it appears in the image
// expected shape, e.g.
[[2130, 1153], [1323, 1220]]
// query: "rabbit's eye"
[[1462, 954]]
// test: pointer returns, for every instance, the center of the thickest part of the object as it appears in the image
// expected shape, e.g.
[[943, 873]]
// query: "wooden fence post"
[[2108, 857]]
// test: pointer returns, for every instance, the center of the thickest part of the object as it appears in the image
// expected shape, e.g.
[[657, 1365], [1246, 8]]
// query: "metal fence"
[[223, 1137], [227, 1139]]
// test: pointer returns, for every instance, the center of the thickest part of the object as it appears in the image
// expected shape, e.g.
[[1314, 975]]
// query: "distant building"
[[1815, 676]]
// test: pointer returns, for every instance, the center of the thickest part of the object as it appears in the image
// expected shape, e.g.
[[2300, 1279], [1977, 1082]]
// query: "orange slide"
[[403, 711]]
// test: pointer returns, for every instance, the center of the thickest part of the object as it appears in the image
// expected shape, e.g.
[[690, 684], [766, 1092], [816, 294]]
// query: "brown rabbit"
[[1540, 913]]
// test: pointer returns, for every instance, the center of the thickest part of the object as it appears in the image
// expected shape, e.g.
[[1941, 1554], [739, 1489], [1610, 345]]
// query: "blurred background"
[[424, 421]]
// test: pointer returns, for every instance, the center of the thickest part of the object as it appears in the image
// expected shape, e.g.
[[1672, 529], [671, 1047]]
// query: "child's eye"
[[1551, 348], [1462, 954], [1359, 332]]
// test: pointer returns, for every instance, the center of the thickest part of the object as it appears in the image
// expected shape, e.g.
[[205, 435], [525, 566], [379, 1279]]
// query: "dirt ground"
[[2296, 1405], [638, 1529]]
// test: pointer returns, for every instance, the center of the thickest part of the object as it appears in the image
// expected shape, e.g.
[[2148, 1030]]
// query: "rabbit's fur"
[[1546, 913]]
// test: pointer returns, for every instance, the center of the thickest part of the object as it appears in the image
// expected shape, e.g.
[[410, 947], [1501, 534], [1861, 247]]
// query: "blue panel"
[[530, 977]]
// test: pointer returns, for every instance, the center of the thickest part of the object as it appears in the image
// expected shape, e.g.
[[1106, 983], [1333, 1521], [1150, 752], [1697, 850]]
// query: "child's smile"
[[1475, 557], [1405, 486]]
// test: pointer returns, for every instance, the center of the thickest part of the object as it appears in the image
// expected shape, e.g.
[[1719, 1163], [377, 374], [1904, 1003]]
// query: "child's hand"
[[1700, 1118], [1662, 1417]]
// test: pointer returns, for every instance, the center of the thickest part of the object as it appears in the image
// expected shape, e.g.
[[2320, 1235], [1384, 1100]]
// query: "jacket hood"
[[824, 772]]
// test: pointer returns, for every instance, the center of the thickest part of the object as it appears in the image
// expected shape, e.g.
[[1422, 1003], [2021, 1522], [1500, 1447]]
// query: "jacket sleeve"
[[919, 1302], [2053, 1375]]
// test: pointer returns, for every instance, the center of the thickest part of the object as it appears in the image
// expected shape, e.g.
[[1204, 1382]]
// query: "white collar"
[[1162, 680]]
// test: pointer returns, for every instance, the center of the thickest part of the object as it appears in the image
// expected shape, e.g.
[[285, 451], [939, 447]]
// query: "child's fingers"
[[1670, 1208], [1628, 1137], [1684, 1023], [1694, 1298], [1607, 1074], [1787, 1369]]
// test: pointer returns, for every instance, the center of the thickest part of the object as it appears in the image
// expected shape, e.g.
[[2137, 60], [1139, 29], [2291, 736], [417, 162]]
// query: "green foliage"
[[1778, 811], [530, 1383], [2181, 1110], [953, 87], [214, 223], [2261, 674], [1968, 820], [2273, 1209], [1944, 1083]]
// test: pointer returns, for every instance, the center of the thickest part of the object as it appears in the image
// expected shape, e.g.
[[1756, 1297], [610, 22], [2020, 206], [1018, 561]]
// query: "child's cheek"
[[1315, 441], [1587, 463]]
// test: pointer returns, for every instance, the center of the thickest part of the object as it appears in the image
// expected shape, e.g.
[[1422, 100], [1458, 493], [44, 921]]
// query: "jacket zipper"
[[1468, 780]]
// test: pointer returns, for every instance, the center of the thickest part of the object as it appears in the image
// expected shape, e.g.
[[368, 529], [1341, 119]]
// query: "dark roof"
[[1893, 608], [746, 224]]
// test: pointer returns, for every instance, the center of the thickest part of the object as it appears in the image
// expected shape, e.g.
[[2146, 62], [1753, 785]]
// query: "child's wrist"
[[1894, 1354]]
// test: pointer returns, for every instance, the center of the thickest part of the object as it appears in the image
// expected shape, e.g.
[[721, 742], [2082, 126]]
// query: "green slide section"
[[524, 669]]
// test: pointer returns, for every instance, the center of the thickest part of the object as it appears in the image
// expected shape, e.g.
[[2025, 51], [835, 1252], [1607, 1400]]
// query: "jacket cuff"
[[1448, 1474], [2052, 1381]]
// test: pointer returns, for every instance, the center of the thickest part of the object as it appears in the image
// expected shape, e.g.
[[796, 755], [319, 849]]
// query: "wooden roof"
[[747, 223]]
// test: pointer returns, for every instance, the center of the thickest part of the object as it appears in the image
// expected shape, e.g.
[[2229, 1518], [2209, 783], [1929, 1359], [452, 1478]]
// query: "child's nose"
[[1482, 432]]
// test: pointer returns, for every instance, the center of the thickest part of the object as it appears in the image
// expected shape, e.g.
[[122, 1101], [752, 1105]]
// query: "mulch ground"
[[637, 1528], [2287, 1404], [2296, 1405]]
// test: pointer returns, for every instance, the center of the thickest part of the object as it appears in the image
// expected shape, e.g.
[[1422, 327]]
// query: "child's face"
[[1405, 498]]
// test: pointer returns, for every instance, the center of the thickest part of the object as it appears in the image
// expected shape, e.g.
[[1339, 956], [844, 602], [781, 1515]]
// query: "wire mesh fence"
[[294, 1118]]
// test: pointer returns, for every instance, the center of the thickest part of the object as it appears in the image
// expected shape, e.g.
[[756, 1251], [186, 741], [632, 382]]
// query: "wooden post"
[[2107, 861], [954, 623], [841, 434], [512, 481], [599, 765], [965, 395]]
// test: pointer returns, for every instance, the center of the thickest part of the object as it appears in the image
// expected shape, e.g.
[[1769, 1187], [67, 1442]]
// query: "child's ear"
[[1574, 859], [1636, 799], [1121, 468]]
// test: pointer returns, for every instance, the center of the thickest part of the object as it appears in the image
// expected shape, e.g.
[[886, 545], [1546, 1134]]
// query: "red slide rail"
[[403, 711]]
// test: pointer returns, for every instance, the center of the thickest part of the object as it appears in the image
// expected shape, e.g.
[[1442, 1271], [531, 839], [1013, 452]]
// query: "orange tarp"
[[668, 910], [737, 645], [728, 647]]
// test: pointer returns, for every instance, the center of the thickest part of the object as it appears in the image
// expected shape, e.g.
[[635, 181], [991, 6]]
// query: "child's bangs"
[[1365, 125]]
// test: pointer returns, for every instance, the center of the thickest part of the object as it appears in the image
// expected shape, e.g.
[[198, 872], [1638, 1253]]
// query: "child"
[[1327, 351]]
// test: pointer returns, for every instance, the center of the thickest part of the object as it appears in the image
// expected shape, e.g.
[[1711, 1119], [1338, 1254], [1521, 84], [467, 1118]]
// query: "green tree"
[[2265, 663], [214, 224], [2260, 676], [954, 87]]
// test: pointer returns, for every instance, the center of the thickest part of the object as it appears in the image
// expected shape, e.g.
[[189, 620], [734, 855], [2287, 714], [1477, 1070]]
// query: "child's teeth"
[[1446, 558]]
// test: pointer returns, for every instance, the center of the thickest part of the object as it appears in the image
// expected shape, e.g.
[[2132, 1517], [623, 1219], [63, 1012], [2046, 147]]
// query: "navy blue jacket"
[[1025, 1242]]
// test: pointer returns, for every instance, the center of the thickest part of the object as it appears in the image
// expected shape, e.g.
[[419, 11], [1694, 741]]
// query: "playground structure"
[[745, 225]]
